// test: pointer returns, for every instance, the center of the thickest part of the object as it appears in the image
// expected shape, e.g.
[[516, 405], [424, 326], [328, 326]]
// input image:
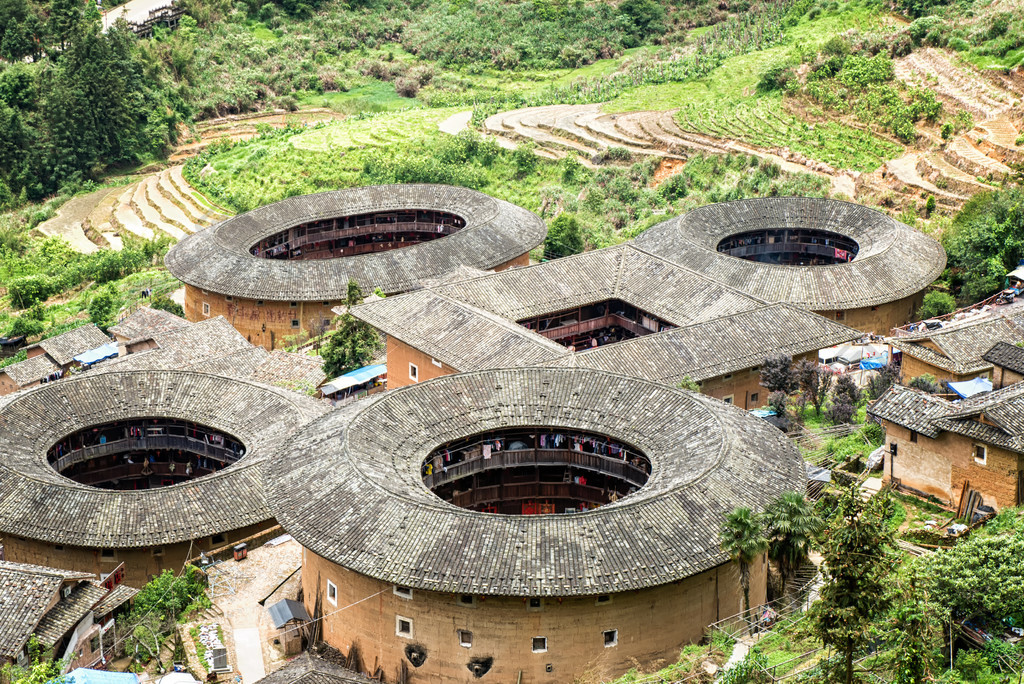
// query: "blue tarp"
[[968, 388], [85, 676], [874, 362], [763, 412], [107, 351], [356, 377]]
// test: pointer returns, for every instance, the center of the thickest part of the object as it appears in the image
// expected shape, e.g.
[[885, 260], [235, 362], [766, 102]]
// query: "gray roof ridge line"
[[706, 278]]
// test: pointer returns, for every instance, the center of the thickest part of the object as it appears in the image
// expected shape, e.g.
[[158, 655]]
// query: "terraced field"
[[159, 204], [380, 130]]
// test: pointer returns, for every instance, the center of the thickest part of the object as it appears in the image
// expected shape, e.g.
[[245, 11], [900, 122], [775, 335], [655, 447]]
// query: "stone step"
[[933, 167]]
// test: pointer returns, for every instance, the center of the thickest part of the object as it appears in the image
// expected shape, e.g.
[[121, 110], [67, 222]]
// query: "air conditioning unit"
[[66, 591]]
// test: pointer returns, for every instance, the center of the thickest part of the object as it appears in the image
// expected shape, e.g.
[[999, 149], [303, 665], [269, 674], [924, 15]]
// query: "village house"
[[52, 358], [1007, 363], [947, 450], [65, 611], [618, 309], [957, 353]]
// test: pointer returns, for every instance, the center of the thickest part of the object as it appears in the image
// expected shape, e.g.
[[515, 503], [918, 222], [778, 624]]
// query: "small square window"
[[913, 436], [603, 598], [611, 638], [217, 539], [403, 627], [332, 593], [295, 322], [294, 305], [58, 547], [753, 397], [435, 362], [404, 592], [840, 315], [206, 308], [535, 603], [540, 644], [466, 599], [979, 454], [414, 372], [158, 551], [727, 376], [259, 302], [108, 554], [465, 639], [228, 298], [728, 399], [326, 303]]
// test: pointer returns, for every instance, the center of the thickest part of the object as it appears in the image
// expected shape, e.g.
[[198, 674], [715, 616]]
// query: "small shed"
[[354, 382], [289, 617]]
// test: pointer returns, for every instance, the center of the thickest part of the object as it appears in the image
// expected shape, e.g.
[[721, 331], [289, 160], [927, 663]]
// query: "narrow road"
[[134, 11]]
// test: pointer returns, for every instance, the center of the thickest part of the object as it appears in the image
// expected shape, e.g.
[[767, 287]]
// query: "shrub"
[[936, 303], [926, 383], [565, 237], [165, 303], [524, 160], [775, 78], [27, 290], [407, 87]]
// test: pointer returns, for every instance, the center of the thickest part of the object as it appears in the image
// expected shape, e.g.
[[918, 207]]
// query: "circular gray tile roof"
[[350, 488], [894, 261], [39, 503], [218, 259]]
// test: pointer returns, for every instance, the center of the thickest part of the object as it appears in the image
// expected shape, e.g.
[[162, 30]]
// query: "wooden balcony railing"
[[615, 467], [199, 447]]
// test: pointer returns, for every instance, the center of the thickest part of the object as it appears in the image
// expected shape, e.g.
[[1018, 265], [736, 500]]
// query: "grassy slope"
[[727, 103]]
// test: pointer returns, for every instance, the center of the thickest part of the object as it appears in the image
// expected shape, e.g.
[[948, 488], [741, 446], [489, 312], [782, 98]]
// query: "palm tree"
[[742, 537], [791, 524]]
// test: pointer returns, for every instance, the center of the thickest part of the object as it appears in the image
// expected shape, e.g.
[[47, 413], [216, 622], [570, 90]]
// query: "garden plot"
[[380, 130]]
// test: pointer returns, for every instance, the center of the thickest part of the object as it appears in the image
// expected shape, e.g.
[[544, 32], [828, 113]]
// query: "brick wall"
[[652, 625], [141, 564], [744, 385], [879, 319], [940, 466], [1001, 377]]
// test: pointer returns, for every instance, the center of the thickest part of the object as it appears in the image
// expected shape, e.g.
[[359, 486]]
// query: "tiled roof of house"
[[1006, 355], [893, 261], [309, 669], [65, 347], [218, 259], [351, 489], [299, 372], [39, 503], [147, 322], [25, 593], [117, 597], [1003, 412], [961, 349], [209, 346], [68, 612], [472, 325], [30, 370]]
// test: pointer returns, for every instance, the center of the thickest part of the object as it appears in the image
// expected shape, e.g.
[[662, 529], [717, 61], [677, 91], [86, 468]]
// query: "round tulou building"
[[279, 270], [841, 260], [145, 468], [524, 525]]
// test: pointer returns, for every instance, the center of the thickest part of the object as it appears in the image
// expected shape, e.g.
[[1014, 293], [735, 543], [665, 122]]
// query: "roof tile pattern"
[[308, 669], [147, 322], [65, 347], [218, 259], [350, 490], [30, 370], [962, 348], [39, 503], [294, 371], [893, 262], [68, 612], [1006, 355], [25, 593]]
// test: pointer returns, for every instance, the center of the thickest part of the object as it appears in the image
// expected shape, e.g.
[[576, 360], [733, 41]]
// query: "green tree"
[[688, 383], [936, 303], [165, 303], [353, 343], [815, 383], [791, 524], [103, 307], [857, 547], [524, 160], [65, 19], [911, 627], [742, 538], [565, 237], [42, 667]]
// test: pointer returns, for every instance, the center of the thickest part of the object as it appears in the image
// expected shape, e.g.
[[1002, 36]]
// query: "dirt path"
[[244, 126], [456, 123]]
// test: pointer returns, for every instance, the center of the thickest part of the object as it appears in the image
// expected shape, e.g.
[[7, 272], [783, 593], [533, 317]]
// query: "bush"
[[165, 303], [564, 238], [28, 290], [926, 383], [524, 160], [936, 303]]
